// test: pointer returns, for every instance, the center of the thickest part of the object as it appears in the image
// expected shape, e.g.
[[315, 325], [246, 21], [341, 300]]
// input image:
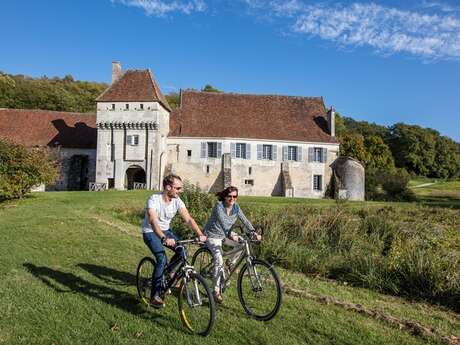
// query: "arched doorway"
[[135, 177]]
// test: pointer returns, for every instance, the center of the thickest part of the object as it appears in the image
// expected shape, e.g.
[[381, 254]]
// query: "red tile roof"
[[48, 128], [134, 86], [270, 117]]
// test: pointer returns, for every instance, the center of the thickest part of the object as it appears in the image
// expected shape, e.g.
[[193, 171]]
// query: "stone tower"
[[132, 127]]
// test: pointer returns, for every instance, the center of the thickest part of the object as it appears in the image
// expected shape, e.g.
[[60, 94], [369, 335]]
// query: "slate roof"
[[49, 128], [134, 86], [270, 117]]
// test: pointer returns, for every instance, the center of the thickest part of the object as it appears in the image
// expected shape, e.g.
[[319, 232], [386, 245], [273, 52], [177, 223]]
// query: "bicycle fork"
[[192, 293]]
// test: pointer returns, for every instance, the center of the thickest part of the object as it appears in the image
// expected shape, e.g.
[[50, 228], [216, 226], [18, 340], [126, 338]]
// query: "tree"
[[210, 88], [379, 154], [173, 99], [352, 145], [22, 168]]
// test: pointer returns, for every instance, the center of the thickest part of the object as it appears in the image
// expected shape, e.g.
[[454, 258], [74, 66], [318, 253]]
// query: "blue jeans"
[[156, 247]]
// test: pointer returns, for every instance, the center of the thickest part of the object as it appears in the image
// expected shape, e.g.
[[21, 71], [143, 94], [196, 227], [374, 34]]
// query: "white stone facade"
[[253, 175], [116, 123]]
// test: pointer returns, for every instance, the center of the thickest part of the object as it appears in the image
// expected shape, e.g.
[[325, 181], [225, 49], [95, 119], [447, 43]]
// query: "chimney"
[[331, 121], [116, 71]]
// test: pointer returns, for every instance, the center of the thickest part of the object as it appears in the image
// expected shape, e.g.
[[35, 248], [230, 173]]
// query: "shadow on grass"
[[110, 275], [64, 282]]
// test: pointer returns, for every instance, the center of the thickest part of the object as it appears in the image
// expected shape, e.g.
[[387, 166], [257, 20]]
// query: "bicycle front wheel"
[[259, 290], [144, 275], [197, 308], [204, 265]]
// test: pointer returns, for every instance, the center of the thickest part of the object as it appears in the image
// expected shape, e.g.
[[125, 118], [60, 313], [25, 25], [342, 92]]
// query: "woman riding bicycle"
[[218, 231]]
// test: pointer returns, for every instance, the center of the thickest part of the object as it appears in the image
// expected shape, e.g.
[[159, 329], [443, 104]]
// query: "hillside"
[[67, 277]]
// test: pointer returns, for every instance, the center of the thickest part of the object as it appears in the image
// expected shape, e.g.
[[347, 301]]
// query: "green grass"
[[67, 277], [440, 193]]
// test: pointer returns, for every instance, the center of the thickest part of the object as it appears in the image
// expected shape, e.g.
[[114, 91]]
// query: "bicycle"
[[197, 307], [258, 285]]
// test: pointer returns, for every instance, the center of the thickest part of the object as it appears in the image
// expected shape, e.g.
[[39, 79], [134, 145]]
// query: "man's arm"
[[153, 220], [191, 222]]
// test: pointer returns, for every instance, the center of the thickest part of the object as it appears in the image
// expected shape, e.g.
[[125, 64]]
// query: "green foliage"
[[352, 145], [21, 169], [173, 99], [388, 185], [66, 94], [379, 154], [210, 88]]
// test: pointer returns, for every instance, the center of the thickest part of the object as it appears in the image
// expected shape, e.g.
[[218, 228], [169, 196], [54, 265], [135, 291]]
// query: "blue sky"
[[382, 61]]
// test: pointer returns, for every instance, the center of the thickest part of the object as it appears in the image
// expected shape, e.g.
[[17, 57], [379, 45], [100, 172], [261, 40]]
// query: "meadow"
[[69, 259]]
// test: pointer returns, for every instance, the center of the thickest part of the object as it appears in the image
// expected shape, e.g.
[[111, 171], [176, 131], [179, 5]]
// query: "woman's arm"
[[247, 224]]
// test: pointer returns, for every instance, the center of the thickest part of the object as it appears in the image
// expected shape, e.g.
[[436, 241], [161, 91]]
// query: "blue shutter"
[[248, 151], [311, 154], [324, 155], [285, 153], [274, 152], [259, 151], [233, 150], [299, 153], [219, 150], [204, 147]]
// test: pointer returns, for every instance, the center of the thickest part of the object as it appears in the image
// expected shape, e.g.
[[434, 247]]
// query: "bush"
[[22, 168], [388, 185]]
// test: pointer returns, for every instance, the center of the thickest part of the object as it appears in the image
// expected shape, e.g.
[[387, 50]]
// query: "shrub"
[[388, 185], [22, 168]]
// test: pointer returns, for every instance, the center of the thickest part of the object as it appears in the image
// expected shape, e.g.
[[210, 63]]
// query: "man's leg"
[[178, 251], [154, 243]]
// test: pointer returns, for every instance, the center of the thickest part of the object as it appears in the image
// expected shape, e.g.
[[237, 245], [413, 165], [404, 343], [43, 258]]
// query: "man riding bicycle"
[[160, 209]]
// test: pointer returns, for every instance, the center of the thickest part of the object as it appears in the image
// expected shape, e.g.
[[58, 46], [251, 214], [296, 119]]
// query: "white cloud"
[[387, 30], [160, 7]]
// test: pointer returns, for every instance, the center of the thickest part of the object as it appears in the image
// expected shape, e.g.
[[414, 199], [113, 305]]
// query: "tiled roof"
[[209, 114], [48, 128], [134, 86]]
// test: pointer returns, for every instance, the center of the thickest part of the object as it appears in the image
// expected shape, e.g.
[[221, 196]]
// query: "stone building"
[[263, 144]]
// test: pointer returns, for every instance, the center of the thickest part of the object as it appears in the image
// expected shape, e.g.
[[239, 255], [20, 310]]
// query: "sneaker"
[[157, 302], [217, 297]]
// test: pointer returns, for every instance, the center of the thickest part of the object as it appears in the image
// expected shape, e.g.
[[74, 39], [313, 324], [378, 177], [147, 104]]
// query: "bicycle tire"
[[263, 301], [144, 279], [202, 261], [198, 311]]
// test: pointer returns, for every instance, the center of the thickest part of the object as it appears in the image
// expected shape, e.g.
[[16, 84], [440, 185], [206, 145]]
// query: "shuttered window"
[[211, 149], [240, 150], [292, 153], [317, 154], [267, 151]]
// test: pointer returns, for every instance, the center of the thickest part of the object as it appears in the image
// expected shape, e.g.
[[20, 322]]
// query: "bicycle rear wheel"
[[144, 279], [204, 265], [259, 290], [197, 308]]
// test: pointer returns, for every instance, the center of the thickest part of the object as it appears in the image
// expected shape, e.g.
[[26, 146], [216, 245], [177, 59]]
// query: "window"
[[113, 106], [249, 182], [240, 150], [250, 170], [189, 153], [141, 106], [212, 150], [132, 140], [317, 154], [292, 153], [317, 182], [126, 106], [267, 152], [207, 169]]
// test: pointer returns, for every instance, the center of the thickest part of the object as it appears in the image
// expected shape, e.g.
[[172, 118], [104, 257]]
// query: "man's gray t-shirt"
[[165, 212]]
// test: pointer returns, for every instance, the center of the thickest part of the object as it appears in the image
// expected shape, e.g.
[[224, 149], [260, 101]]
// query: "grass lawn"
[[439, 193], [67, 277]]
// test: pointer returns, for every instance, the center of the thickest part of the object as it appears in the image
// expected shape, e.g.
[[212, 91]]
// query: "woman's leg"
[[215, 246]]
